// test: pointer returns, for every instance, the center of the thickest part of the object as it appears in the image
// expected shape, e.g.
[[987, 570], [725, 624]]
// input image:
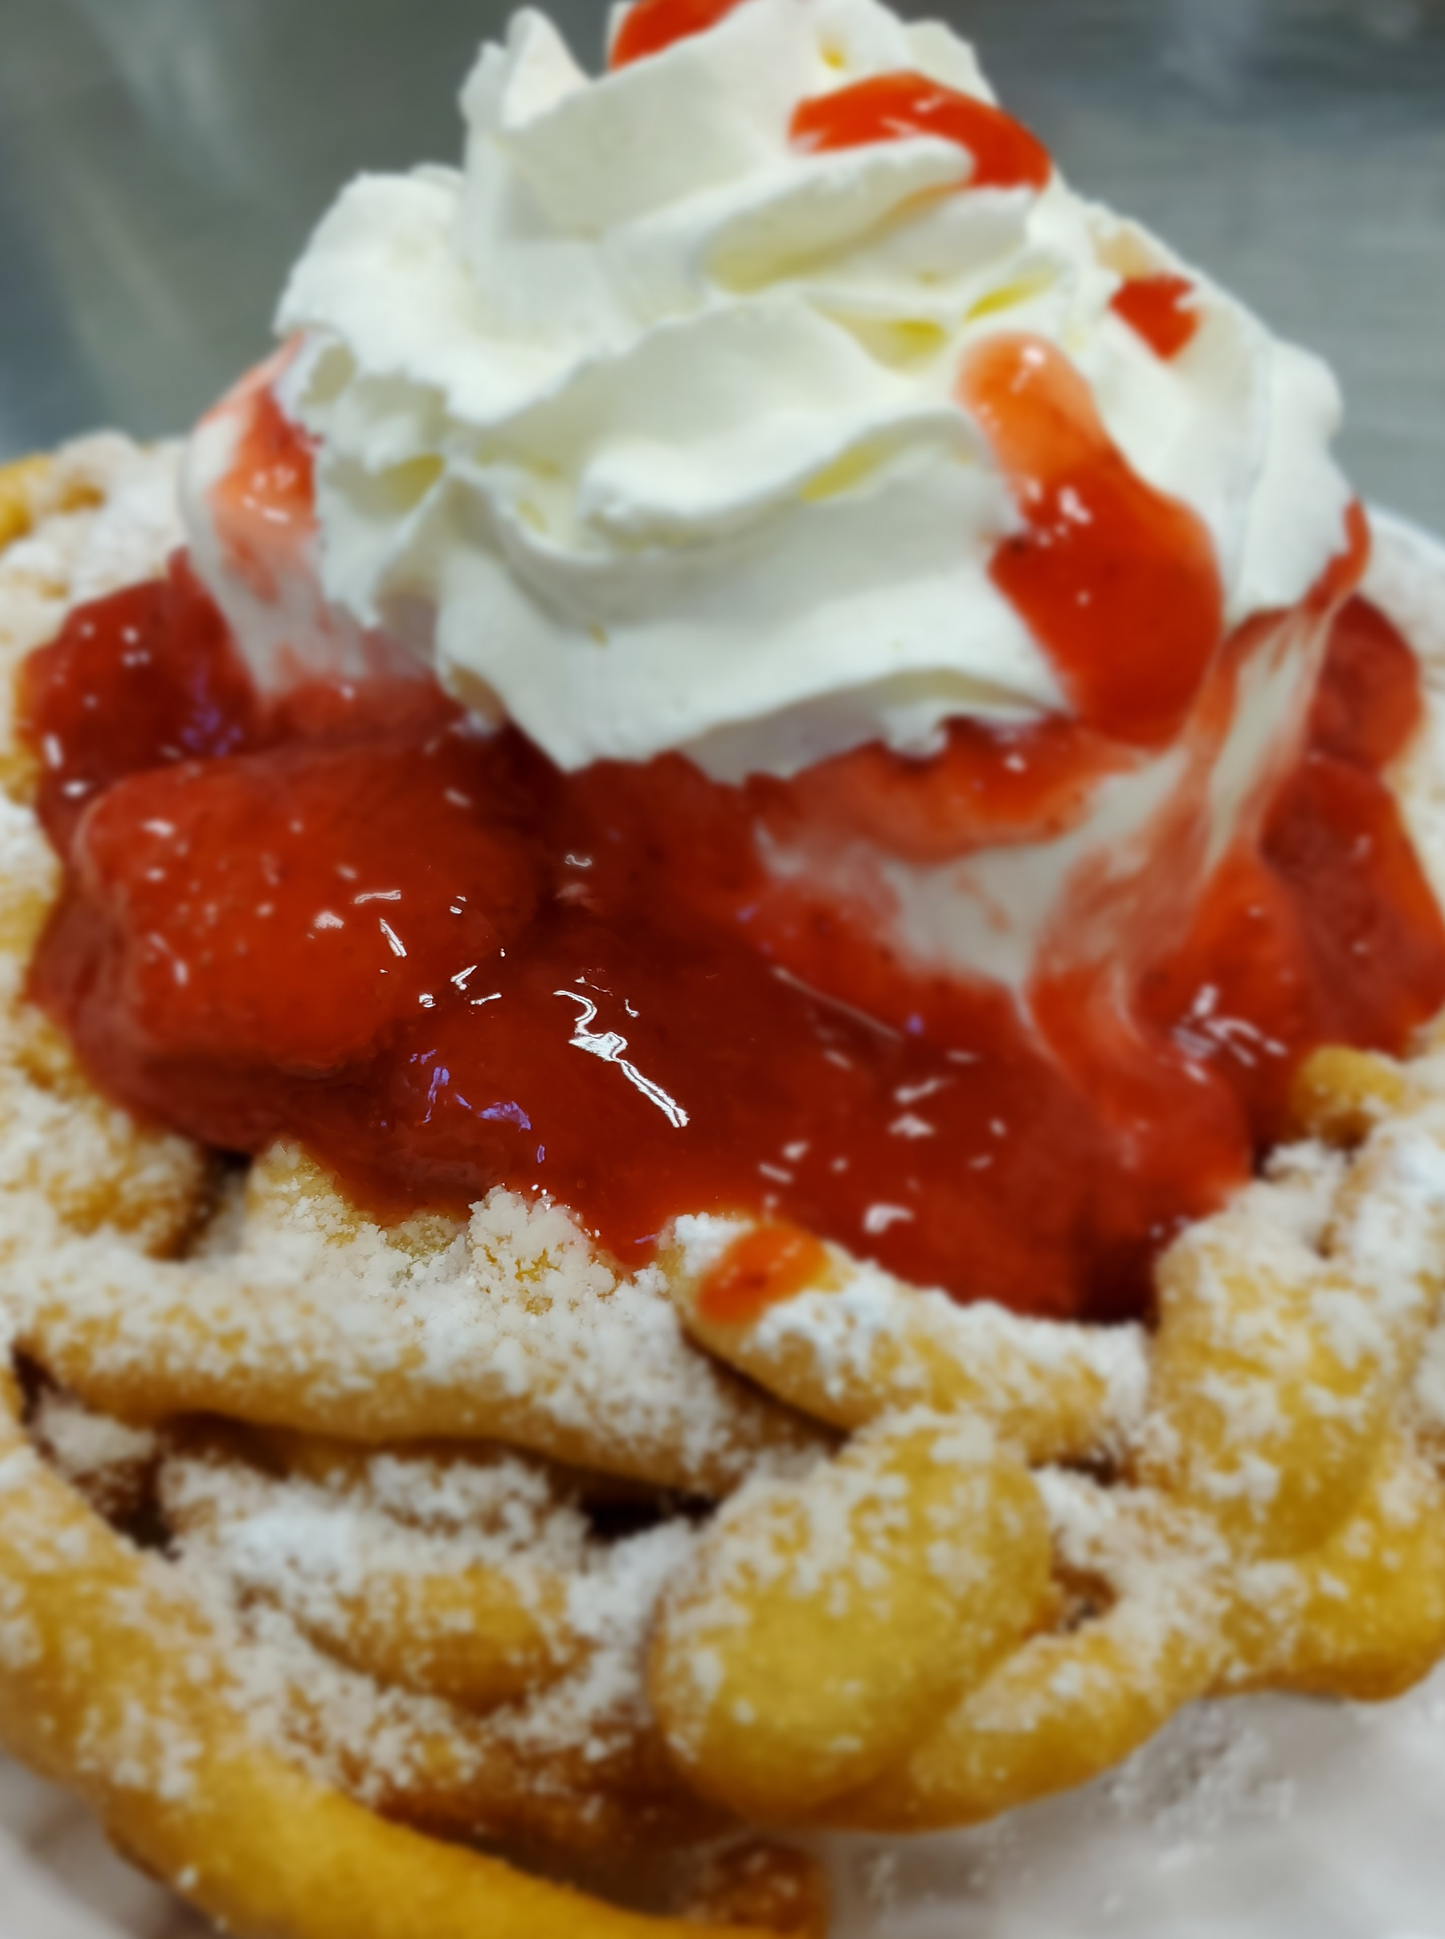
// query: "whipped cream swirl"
[[645, 424]]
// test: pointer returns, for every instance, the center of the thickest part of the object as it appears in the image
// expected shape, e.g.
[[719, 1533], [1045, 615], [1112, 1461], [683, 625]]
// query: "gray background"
[[161, 161]]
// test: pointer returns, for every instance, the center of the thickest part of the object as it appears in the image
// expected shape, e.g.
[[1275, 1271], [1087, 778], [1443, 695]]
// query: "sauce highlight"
[[442, 965]]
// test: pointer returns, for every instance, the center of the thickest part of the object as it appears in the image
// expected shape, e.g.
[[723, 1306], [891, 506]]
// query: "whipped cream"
[[644, 425]]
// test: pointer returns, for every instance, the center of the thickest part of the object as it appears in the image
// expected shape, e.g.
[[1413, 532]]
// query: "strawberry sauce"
[[1105, 561], [1161, 309], [653, 25], [879, 108], [350, 916], [889, 107]]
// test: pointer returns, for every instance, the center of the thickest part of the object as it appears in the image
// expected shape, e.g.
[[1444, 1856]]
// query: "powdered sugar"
[[106, 516], [863, 1334], [510, 1328], [315, 1554], [288, 1307], [87, 1448]]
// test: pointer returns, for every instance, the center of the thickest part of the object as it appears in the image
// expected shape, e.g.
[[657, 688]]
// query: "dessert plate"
[[1263, 1817]]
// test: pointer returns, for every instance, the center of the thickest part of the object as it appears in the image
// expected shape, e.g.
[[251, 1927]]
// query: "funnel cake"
[[396, 1466], [598, 1474]]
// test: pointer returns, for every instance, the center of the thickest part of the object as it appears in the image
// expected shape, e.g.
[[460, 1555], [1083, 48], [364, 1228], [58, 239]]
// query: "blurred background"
[[161, 162]]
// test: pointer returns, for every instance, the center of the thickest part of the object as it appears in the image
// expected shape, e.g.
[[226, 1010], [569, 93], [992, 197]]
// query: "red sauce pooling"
[[1105, 562], [652, 25], [1160, 310], [888, 107], [442, 965]]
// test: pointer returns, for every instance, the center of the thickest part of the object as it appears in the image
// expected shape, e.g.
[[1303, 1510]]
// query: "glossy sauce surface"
[[442, 965], [350, 916]]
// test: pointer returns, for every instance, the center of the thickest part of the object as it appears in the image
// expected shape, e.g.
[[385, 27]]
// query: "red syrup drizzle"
[[1161, 310], [652, 25], [1116, 581], [883, 107], [352, 918], [888, 107]]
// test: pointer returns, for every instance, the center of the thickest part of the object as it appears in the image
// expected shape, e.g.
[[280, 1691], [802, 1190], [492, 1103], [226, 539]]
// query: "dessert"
[[718, 1099]]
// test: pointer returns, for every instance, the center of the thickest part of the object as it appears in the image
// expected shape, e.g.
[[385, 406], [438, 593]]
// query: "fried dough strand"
[[824, 1622], [413, 1609], [112, 1683], [1071, 1702], [964, 1559], [511, 1330], [857, 1344]]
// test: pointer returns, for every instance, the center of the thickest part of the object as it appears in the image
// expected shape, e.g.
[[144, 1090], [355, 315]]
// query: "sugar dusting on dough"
[[290, 1556], [519, 1300], [106, 515], [863, 1308]]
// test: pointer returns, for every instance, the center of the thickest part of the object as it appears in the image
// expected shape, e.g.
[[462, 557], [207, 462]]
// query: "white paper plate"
[[1261, 1818]]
